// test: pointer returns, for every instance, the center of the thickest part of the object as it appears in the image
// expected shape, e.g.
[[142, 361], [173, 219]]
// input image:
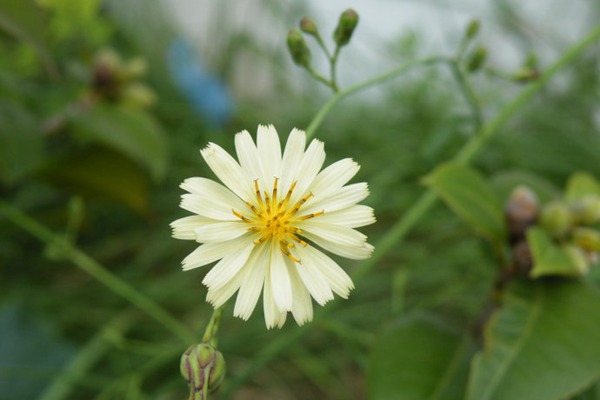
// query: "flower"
[[264, 222]]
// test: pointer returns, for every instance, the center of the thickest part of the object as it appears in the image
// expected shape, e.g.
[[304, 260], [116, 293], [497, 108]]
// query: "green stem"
[[423, 204], [467, 91], [319, 77], [63, 384], [212, 328], [327, 107], [97, 271]]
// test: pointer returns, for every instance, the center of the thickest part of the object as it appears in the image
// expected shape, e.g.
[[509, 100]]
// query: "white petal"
[[352, 252], [343, 198], [210, 252], [208, 208], [339, 235], [248, 156], [280, 281], [252, 283], [228, 170], [332, 178], [302, 309], [292, 155], [218, 297], [336, 277], [220, 231], [351, 217], [269, 149], [273, 317], [314, 280], [183, 228], [228, 267], [309, 168]]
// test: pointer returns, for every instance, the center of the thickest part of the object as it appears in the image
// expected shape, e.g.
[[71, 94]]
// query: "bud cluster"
[[116, 80]]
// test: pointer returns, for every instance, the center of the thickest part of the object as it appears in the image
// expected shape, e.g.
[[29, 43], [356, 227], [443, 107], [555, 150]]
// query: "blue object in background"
[[206, 93]]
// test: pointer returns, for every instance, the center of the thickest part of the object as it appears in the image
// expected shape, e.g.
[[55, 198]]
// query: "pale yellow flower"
[[264, 222]]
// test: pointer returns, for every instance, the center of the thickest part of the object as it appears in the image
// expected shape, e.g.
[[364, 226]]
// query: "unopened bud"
[[345, 28], [198, 362], [587, 238], [472, 29], [138, 95], [587, 210], [526, 74], [477, 59], [521, 211], [309, 26], [298, 49], [556, 218]]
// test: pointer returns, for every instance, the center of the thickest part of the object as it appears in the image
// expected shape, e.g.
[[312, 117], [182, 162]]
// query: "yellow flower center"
[[275, 219]]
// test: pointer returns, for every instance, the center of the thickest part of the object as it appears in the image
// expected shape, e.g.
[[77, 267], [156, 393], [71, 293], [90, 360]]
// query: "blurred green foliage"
[[103, 172]]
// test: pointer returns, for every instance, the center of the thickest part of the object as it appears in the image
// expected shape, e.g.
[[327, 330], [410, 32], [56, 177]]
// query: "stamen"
[[257, 189], [275, 189], [311, 215], [300, 203], [254, 210], [240, 216], [259, 241], [287, 253], [267, 202]]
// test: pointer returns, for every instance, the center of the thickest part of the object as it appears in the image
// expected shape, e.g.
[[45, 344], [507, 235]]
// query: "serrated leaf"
[[101, 173], [130, 131], [418, 360], [581, 184], [468, 194], [542, 344], [548, 257]]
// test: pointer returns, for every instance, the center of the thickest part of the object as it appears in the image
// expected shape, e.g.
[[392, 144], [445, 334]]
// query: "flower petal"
[[292, 155], [210, 252], [248, 156], [269, 149], [183, 228], [228, 170], [351, 252], [339, 235], [280, 281], [220, 231], [351, 217], [252, 283], [336, 277], [343, 198], [219, 296], [314, 280], [309, 168], [210, 199], [332, 178], [228, 267], [302, 309], [273, 317]]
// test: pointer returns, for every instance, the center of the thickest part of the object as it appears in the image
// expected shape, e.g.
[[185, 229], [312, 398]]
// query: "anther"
[[240, 216]]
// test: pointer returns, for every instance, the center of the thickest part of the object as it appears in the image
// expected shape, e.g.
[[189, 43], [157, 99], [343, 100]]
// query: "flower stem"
[[98, 272], [424, 203], [467, 91], [212, 328]]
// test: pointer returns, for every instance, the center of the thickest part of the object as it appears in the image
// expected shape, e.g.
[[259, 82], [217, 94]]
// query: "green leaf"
[[471, 197], [542, 344], [101, 173], [581, 184], [132, 132], [548, 257], [418, 360]]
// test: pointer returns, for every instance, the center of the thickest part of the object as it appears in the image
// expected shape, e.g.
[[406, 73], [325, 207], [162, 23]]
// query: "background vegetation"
[[102, 116]]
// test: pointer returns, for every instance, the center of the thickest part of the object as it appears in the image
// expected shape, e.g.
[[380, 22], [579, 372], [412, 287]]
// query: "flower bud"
[[345, 28], [138, 95], [526, 74], [587, 238], [197, 362], [556, 218], [472, 29], [521, 212], [298, 49], [587, 210], [309, 26], [477, 59], [135, 68]]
